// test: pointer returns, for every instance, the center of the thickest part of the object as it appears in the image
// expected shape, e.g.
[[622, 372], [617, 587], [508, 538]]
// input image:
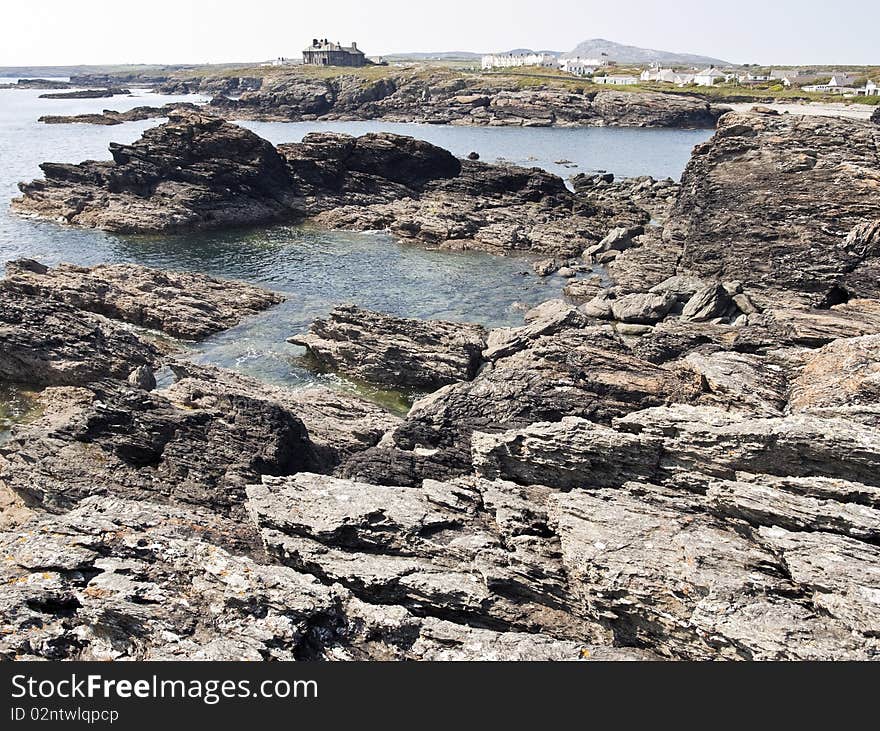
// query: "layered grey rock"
[[46, 343], [469, 551], [686, 583], [393, 351], [183, 305]]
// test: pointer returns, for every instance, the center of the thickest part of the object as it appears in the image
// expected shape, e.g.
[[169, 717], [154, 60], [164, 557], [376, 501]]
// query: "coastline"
[[813, 109], [665, 465]]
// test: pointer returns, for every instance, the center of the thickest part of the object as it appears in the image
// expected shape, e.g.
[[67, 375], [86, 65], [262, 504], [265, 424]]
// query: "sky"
[[67, 32]]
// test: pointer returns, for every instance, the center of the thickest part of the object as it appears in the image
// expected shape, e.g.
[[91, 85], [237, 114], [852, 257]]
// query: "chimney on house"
[[354, 45], [314, 41]]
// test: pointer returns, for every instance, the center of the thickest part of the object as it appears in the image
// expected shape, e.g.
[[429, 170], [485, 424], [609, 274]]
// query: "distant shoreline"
[[814, 109]]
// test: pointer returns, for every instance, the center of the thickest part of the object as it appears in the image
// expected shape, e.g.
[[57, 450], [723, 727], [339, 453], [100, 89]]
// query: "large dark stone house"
[[325, 53]]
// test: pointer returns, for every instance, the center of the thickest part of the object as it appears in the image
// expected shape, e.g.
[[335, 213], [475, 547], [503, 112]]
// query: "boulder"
[[642, 308], [707, 303]]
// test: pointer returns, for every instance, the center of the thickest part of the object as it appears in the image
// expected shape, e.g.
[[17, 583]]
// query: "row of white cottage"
[[838, 84], [576, 66], [704, 77]]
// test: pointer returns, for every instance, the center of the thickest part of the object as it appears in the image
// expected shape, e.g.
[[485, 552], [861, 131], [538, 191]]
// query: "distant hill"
[[526, 51], [640, 56]]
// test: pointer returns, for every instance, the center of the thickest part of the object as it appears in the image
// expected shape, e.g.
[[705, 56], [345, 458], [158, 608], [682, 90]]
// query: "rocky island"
[[680, 460]]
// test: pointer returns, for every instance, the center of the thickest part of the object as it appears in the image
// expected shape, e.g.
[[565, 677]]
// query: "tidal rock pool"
[[315, 269]]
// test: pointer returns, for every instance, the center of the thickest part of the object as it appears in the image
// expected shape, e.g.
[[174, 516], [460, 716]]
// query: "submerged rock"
[[394, 351]]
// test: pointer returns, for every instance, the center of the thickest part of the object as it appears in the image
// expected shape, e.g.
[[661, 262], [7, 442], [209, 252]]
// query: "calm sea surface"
[[314, 269]]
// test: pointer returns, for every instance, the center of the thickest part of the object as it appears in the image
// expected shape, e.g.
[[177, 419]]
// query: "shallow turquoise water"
[[314, 269]]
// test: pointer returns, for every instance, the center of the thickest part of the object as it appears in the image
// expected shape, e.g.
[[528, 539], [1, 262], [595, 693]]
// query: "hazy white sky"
[[57, 32]]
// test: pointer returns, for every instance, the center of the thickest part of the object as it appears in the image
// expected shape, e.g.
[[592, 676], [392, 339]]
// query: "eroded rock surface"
[[394, 351], [439, 98], [808, 245], [193, 172], [684, 465], [180, 304]]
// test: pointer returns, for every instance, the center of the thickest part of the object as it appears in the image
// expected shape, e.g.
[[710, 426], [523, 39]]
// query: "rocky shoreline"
[[108, 117], [680, 461], [198, 171], [436, 98]]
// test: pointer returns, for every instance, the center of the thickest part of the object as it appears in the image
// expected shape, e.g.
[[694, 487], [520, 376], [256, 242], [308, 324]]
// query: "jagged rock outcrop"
[[133, 580], [545, 371], [391, 545], [193, 172], [393, 351], [201, 172], [110, 117], [44, 342], [685, 466], [682, 445], [339, 423], [841, 378], [180, 304], [677, 578], [779, 203], [117, 440], [441, 98]]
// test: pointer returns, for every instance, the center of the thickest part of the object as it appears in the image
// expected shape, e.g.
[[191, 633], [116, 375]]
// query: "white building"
[[751, 78], [515, 60], [616, 80], [708, 77], [580, 66], [667, 76], [871, 89], [795, 77], [839, 84]]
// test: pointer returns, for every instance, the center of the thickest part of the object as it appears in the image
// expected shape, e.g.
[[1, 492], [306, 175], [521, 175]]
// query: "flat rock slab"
[[179, 304], [134, 580], [435, 551], [707, 590]]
